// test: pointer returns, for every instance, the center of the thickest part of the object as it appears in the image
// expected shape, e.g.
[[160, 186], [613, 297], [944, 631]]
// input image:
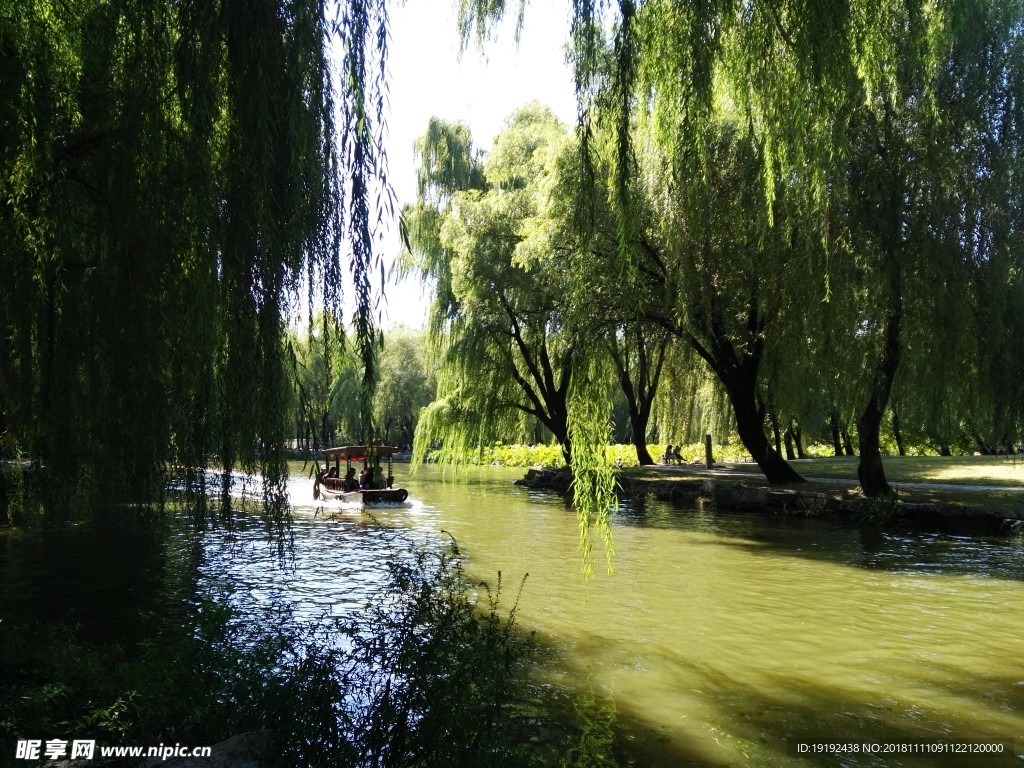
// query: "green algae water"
[[729, 639], [717, 640]]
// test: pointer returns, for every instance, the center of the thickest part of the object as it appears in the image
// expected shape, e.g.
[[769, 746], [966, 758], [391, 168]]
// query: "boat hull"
[[367, 496]]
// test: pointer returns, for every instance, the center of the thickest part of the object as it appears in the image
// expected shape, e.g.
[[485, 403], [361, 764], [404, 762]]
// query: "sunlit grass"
[[994, 482], [955, 470]]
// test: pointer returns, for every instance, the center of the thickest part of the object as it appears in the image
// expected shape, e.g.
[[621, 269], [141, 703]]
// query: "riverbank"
[[939, 507]]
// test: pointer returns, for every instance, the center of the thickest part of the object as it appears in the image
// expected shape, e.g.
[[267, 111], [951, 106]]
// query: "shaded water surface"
[[717, 640]]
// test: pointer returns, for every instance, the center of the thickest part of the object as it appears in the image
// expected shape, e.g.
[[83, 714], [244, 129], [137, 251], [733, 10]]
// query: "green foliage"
[[503, 455], [593, 476], [406, 385], [172, 178], [510, 342], [326, 381], [434, 672], [50, 680], [880, 510], [595, 743], [323, 382], [427, 677], [503, 343], [12, 483], [447, 161]]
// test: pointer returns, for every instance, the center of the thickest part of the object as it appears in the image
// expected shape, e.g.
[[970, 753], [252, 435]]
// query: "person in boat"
[[333, 472], [364, 478], [351, 484]]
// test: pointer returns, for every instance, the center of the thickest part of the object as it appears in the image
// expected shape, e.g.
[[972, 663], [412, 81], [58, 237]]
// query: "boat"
[[332, 483]]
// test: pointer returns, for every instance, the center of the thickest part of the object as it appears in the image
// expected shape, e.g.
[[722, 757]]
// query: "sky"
[[427, 78]]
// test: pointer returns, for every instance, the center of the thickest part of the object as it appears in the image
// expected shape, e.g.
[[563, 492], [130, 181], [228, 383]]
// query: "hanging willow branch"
[[593, 477], [363, 31], [174, 174]]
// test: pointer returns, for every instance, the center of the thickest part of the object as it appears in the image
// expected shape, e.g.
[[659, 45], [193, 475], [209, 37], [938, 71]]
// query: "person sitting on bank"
[[678, 456], [669, 455]]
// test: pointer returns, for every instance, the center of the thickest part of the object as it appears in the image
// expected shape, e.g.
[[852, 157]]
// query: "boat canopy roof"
[[358, 452]]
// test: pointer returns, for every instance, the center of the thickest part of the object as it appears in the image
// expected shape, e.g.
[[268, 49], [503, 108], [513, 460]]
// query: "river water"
[[717, 639]]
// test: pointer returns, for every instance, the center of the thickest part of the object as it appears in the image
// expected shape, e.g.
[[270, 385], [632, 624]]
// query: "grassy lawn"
[[958, 470]]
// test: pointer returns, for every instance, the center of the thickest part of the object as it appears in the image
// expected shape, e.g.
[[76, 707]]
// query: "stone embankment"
[[810, 500]]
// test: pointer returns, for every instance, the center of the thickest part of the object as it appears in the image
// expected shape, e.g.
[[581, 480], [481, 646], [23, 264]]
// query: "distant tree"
[[406, 385], [638, 354], [504, 350], [323, 379]]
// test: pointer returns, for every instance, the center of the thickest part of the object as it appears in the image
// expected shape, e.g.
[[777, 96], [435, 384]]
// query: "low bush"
[[425, 676]]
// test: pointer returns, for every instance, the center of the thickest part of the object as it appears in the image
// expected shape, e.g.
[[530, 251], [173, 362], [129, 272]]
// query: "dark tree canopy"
[[176, 176]]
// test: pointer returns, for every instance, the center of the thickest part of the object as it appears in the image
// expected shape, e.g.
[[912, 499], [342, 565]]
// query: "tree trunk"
[[773, 419], [556, 418], [557, 423], [847, 442], [870, 471], [738, 374], [639, 417], [798, 438], [750, 425], [789, 444], [640, 394], [559, 427], [640, 443], [897, 434], [888, 216], [740, 384], [837, 445]]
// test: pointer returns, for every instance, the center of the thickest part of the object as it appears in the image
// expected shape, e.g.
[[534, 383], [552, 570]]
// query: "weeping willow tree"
[[516, 328], [804, 79], [177, 178], [983, 78], [505, 348], [728, 282], [928, 217]]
